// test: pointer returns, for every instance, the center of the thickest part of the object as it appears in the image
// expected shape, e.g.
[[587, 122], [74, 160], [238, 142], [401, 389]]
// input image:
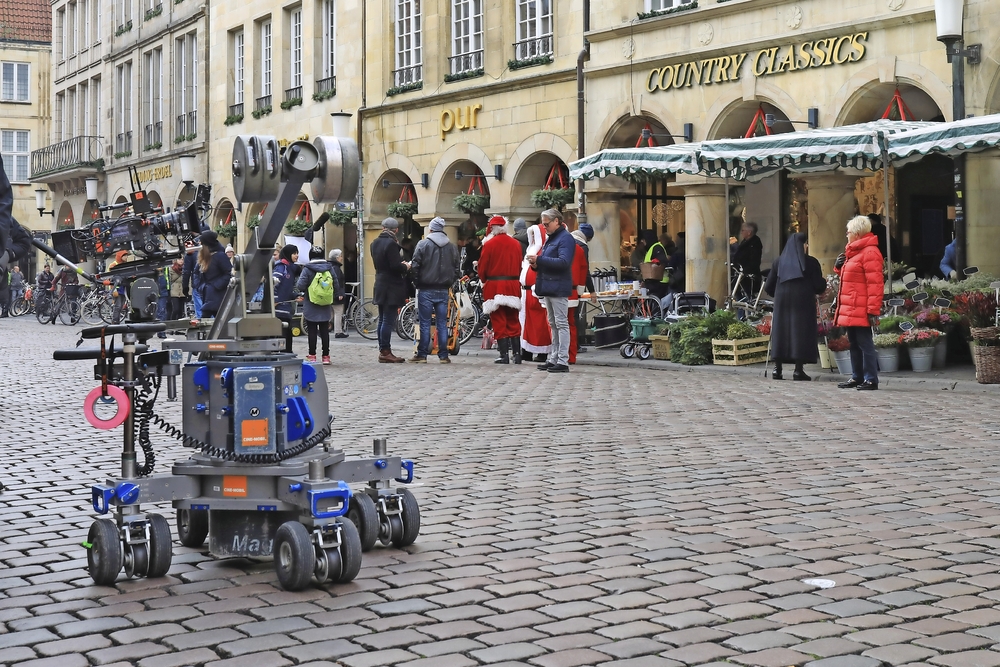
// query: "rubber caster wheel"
[[643, 352], [627, 350], [410, 520], [161, 551], [136, 560], [350, 552], [192, 527], [364, 515], [294, 556], [104, 556]]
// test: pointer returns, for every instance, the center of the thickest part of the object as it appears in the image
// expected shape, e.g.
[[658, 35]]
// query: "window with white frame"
[[59, 37], [58, 118], [95, 15], [152, 97], [123, 108], [14, 150], [83, 17], [71, 112], [329, 44], [239, 72], [265, 61], [409, 54], [14, 86], [660, 5], [186, 93], [534, 29], [124, 12], [466, 36], [71, 29], [95, 104], [83, 108], [295, 51]]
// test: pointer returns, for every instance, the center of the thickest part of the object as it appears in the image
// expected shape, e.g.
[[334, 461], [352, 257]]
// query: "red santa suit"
[[579, 271], [536, 337], [500, 268]]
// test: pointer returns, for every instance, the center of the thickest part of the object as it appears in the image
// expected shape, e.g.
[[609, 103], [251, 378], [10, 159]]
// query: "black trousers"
[[323, 329]]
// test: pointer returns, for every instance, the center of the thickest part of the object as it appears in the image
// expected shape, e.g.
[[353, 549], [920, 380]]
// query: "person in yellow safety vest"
[[658, 253]]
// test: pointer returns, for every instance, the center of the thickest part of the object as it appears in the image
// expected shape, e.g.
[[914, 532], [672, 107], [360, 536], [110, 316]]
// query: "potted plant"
[[890, 323], [743, 344], [823, 329], [472, 203], [840, 348], [940, 319], [691, 337], [552, 197], [887, 348], [920, 345], [253, 221], [227, 229], [401, 209], [296, 227]]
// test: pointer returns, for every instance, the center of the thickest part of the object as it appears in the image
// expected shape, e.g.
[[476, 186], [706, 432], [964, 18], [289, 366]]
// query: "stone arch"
[[730, 116], [154, 198], [404, 169], [457, 153], [648, 109], [849, 99], [65, 219], [389, 187], [225, 212]]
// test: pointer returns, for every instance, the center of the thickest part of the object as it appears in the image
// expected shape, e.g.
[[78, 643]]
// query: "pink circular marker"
[[118, 396]]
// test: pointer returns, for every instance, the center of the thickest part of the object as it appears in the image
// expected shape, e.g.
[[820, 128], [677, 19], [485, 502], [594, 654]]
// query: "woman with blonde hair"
[[216, 270], [859, 303]]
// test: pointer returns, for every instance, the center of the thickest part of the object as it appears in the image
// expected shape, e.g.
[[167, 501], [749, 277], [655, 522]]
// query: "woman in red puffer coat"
[[860, 300]]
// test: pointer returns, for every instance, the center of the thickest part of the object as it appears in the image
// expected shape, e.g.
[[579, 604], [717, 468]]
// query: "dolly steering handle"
[[139, 329]]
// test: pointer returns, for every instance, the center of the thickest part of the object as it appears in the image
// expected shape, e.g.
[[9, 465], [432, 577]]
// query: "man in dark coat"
[[555, 283], [794, 281], [746, 253], [390, 287]]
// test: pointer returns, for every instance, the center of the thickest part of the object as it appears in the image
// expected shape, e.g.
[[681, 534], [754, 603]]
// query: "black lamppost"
[[948, 15]]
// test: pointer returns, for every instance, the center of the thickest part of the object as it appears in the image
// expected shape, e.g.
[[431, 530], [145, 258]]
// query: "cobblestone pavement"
[[610, 516]]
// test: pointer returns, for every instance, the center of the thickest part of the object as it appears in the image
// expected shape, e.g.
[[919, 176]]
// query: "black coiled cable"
[[144, 412]]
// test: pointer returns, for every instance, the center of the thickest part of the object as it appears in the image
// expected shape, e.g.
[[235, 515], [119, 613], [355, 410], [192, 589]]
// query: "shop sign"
[[765, 62], [456, 120], [155, 174]]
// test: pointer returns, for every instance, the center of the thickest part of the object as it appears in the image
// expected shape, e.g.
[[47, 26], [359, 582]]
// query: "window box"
[[325, 89], [398, 90], [153, 147], [153, 13], [529, 62], [293, 98], [235, 114], [122, 29], [461, 76], [672, 10], [122, 154], [262, 111]]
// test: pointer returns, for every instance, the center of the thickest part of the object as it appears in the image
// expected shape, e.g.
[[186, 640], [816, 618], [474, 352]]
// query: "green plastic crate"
[[642, 329]]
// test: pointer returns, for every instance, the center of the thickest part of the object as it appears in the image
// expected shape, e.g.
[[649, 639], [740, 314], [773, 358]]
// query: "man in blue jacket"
[[553, 286]]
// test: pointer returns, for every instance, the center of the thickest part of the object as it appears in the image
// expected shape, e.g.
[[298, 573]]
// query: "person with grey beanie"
[[390, 287], [521, 234], [435, 267]]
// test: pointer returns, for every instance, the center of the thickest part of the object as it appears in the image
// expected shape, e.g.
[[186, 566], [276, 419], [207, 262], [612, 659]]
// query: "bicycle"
[[352, 303], [21, 303], [90, 305], [741, 298]]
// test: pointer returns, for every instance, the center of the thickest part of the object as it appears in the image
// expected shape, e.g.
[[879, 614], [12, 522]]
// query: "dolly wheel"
[[364, 515], [104, 556], [627, 350], [192, 527], [294, 556], [642, 351], [161, 550], [411, 520], [350, 551]]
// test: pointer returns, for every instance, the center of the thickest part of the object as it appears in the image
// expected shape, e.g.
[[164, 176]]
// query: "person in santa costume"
[[536, 337], [500, 269], [580, 274]]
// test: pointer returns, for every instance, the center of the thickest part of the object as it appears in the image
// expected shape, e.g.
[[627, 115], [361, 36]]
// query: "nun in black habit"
[[794, 281]]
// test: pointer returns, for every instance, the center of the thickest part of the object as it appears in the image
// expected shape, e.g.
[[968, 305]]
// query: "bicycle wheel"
[[19, 307], [42, 310], [69, 312], [467, 325], [648, 307], [91, 311], [408, 321], [366, 320]]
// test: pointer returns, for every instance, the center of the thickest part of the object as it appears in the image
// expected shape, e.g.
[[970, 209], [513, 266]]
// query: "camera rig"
[[263, 480]]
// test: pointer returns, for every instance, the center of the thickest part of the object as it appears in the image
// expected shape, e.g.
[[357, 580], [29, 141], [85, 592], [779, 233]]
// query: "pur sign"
[[766, 62]]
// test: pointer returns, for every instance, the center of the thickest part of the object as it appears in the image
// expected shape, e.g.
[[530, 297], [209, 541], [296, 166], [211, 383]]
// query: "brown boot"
[[393, 359], [385, 357]]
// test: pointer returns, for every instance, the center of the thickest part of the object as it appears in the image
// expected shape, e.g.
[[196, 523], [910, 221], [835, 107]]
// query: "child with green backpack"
[[319, 286]]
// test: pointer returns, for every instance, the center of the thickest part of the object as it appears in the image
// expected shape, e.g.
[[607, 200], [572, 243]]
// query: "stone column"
[[706, 239], [831, 205], [603, 216], [982, 243]]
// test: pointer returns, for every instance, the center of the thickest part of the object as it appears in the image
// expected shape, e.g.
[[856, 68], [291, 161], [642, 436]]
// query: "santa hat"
[[497, 220]]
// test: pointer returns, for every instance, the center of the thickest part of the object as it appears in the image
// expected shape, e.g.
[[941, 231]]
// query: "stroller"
[[685, 304]]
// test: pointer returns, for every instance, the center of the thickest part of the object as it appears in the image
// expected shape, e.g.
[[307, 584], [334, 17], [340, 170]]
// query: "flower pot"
[[843, 360], [888, 359], [921, 358], [940, 352], [824, 356]]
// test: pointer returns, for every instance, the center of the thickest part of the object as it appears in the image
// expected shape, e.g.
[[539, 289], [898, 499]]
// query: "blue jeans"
[[863, 355], [386, 325], [433, 301], [196, 297]]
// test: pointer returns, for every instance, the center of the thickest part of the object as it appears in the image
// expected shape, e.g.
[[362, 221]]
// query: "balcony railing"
[[262, 103], [532, 48], [123, 142], [236, 109], [76, 152], [152, 134], [466, 62], [187, 126], [404, 76], [327, 87], [293, 94], [192, 124]]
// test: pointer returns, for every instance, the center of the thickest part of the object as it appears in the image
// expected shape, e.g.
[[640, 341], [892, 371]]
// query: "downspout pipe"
[[581, 153]]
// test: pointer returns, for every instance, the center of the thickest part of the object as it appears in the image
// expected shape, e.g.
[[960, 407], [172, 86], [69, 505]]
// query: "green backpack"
[[321, 288]]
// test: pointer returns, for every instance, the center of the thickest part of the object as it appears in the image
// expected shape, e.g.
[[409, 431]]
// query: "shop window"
[[15, 82], [409, 52], [467, 37], [14, 150]]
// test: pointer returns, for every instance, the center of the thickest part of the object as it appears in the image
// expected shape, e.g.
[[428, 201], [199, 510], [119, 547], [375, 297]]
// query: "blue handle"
[[128, 493], [100, 497], [406, 465], [342, 492], [299, 422]]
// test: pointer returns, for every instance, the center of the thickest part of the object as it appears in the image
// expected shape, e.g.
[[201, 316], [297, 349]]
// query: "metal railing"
[[180, 129], [76, 152], [192, 122], [123, 142], [236, 109], [532, 48], [262, 102], [407, 75], [293, 93], [152, 134], [466, 62], [187, 125], [327, 85]]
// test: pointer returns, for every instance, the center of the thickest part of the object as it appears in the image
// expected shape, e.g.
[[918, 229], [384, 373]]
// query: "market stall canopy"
[[638, 164], [848, 147], [961, 136]]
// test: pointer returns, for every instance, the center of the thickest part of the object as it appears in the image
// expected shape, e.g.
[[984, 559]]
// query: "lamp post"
[[948, 16], [40, 195]]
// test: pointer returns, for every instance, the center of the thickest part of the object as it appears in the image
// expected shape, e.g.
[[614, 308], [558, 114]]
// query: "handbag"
[[489, 340]]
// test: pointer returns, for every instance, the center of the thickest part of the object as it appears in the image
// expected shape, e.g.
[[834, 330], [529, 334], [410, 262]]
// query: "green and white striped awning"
[[637, 164], [962, 136], [855, 147]]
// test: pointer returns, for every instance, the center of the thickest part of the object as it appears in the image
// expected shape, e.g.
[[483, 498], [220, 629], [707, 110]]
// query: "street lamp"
[[40, 195], [948, 15], [91, 183]]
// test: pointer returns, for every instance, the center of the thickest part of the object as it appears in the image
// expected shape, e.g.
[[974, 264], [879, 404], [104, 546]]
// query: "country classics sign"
[[766, 62]]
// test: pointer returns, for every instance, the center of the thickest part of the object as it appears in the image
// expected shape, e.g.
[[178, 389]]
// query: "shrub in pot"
[[887, 348], [920, 345]]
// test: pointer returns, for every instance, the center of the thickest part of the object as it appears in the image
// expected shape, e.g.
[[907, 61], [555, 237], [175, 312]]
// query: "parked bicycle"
[[746, 299]]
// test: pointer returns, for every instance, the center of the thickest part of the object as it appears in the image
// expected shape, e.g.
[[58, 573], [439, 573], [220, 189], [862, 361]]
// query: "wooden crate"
[[740, 352], [661, 347]]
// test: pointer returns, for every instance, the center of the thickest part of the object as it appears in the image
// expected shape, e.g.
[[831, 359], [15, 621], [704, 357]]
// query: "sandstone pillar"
[[831, 205], [982, 243], [706, 239]]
